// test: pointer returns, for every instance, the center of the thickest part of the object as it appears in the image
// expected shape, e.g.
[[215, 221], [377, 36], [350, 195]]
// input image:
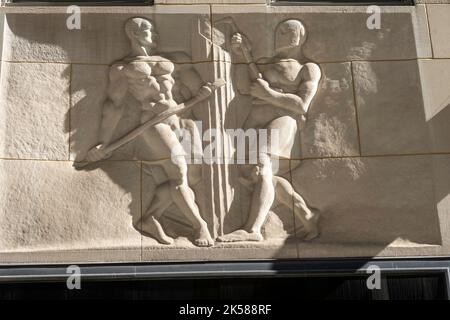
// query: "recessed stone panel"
[[371, 201], [331, 128], [50, 206], [390, 108], [101, 38], [34, 101]]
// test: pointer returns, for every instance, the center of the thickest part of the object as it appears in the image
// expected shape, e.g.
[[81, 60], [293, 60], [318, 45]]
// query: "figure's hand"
[[97, 153], [163, 106], [240, 43], [204, 92], [261, 89], [153, 83]]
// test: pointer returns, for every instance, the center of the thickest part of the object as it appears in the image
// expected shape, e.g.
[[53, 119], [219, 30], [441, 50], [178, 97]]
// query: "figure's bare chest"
[[284, 75], [142, 69]]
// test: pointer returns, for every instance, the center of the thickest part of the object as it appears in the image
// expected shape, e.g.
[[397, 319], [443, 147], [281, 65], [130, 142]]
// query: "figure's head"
[[141, 31], [289, 34]]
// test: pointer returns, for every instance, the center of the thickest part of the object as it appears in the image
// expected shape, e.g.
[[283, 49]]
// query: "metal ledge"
[[265, 268], [151, 2]]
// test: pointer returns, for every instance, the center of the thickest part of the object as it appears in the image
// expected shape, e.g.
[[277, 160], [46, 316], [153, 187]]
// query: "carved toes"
[[241, 235], [204, 242]]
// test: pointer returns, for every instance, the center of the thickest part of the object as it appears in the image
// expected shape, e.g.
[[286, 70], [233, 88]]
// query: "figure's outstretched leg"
[[184, 198], [151, 221], [164, 142], [262, 200], [286, 194]]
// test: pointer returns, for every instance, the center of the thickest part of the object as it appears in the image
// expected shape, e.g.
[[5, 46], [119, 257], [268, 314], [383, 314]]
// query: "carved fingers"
[[240, 43], [204, 92], [261, 89]]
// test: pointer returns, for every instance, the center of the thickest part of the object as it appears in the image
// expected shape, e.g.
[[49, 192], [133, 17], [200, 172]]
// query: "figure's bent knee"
[[264, 165], [178, 171]]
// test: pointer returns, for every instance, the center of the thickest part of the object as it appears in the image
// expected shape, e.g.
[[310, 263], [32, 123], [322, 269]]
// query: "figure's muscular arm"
[[242, 78], [299, 102], [113, 106], [190, 81], [187, 80]]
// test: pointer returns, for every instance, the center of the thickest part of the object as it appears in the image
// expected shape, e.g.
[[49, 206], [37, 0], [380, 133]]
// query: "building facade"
[[224, 130]]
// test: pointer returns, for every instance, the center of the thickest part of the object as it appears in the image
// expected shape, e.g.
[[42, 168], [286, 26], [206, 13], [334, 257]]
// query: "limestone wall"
[[372, 158]]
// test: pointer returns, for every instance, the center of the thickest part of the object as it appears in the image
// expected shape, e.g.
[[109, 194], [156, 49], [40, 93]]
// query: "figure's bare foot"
[[310, 233], [152, 227], [310, 230], [203, 238], [241, 235]]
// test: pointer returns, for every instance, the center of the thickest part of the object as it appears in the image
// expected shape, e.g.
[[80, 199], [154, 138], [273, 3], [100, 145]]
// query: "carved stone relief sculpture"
[[149, 78], [281, 87]]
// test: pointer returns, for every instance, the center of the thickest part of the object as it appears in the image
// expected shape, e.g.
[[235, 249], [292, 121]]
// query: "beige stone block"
[[441, 174], [320, 250], [122, 255], [42, 35], [49, 206], [335, 34], [435, 77], [2, 25], [390, 108], [33, 110], [277, 249], [366, 202], [434, 1], [419, 20], [440, 29], [331, 128]]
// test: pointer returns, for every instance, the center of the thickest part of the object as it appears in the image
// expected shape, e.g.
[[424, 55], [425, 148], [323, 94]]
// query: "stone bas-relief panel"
[[129, 121], [34, 100], [44, 36], [154, 83], [47, 205]]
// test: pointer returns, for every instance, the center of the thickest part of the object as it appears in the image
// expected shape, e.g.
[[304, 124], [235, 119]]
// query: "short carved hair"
[[135, 24], [295, 26]]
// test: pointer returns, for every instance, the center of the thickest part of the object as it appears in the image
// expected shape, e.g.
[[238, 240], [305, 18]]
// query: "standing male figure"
[[280, 102], [150, 79]]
